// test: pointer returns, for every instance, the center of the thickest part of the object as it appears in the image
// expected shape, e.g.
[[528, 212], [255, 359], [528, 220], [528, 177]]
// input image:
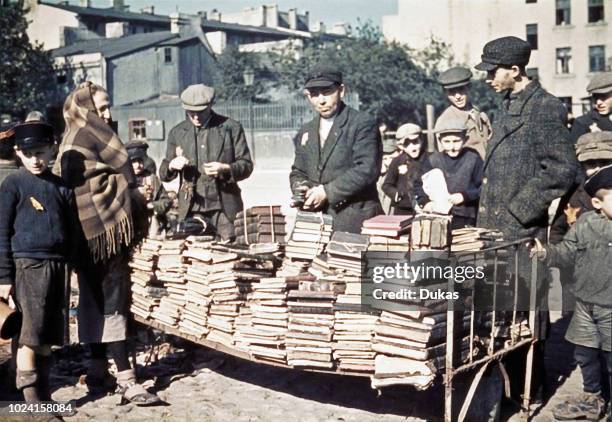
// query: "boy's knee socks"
[[27, 382]]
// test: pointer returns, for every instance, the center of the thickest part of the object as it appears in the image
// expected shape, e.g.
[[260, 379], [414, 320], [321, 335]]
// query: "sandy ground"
[[204, 385]]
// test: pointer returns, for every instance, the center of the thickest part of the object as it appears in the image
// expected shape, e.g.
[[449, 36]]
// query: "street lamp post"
[[249, 78]]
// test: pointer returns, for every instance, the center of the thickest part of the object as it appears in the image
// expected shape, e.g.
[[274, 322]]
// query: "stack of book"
[[345, 250], [197, 258], [146, 290], [260, 224], [269, 318], [411, 347], [430, 231], [242, 325], [171, 272], [311, 233], [474, 239], [353, 341], [310, 329], [387, 225], [389, 244]]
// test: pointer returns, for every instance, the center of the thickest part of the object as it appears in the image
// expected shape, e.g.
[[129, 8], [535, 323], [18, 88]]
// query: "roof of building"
[[110, 13], [114, 47]]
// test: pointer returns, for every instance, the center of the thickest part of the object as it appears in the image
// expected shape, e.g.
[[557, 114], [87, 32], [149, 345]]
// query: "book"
[[387, 222], [260, 210]]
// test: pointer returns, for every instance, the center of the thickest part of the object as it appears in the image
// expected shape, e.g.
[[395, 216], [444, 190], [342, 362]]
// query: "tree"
[[390, 84], [229, 81], [27, 79]]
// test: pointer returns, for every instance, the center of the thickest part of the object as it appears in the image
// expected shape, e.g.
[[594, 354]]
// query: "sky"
[[327, 11]]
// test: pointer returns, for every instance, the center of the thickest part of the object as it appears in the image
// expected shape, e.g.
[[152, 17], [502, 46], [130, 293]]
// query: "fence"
[[283, 115]]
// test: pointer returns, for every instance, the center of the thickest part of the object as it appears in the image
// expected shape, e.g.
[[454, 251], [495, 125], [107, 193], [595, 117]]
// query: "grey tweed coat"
[[529, 162]]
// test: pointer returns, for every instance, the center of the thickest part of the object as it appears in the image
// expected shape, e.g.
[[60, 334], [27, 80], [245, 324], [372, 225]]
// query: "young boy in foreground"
[[588, 246], [36, 215]]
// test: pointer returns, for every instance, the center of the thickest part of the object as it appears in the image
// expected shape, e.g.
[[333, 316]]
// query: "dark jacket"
[[347, 167], [463, 175], [6, 169], [559, 227], [530, 161], [157, 194], [403, 182], [587, 247], [38, 220], [222, 140], [590, 122]]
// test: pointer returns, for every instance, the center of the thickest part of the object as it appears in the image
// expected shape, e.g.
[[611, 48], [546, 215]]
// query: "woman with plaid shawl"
[[94, 163]]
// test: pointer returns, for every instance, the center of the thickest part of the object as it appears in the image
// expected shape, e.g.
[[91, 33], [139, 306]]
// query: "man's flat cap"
[[448, 123], [197, 97], [600, 84], [408, 131], [137, 149], [600, 180], [455, 77], [33, 135], [594, 146], [322, 76], [505, 51]]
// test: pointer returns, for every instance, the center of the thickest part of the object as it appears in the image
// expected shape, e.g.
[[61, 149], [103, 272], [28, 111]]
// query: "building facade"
[[571, 39]]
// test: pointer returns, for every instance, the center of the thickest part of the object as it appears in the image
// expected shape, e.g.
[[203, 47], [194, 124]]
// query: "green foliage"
[[229, 81], [27, 79]]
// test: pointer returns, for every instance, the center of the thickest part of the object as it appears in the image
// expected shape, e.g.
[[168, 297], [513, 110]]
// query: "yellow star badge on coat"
[[37, 205]]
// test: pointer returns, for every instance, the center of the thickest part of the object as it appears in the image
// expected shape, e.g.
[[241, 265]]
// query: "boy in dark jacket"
[[403, 182], [462, 168], [158, 202], [36, 210], [587, 246]]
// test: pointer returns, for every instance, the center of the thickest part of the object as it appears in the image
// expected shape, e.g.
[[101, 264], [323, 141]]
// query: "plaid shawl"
[[93, 161]]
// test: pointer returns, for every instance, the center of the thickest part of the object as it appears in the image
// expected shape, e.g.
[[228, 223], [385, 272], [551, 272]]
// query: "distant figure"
[[456, 83]]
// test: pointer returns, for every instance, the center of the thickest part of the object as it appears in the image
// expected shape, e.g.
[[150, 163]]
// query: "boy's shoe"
[[588, 406], [133, 392]]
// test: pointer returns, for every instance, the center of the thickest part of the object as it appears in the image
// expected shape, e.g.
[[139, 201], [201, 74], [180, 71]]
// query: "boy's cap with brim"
[[323, 77], [33, 135], [197, 97], [594, 146], [600, 84], [136, 149], [600, 180], [450, 123], [455, 77], [408, 131], [505, 51]]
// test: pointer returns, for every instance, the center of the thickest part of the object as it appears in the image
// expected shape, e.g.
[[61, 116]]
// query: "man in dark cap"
[[338, 155], [600, 117], [456, 83], [529, 163], [211, 154]]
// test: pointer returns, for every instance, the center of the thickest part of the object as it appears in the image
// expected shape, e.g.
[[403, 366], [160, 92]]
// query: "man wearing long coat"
[[338, 156]]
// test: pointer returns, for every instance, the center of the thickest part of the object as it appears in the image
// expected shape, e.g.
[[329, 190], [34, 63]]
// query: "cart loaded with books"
[[406, 302]]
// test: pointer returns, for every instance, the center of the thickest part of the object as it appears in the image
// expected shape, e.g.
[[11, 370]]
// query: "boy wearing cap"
[[149, 185], [403, 182], [586, 246], [600, 118], [456, 83], [211, 154], [338, 154], [462, 169], [35, 230]]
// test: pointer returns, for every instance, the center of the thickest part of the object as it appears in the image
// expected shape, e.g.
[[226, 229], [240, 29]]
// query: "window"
[[597, 58], [167, 55], [532, 35], [137, 128], [564, 60], [563, 12], [596, 11], [532, 73], [531, 1]]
